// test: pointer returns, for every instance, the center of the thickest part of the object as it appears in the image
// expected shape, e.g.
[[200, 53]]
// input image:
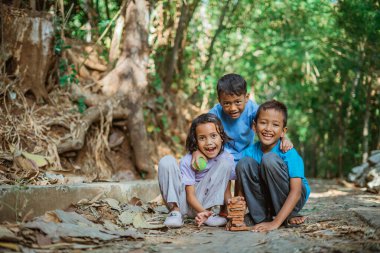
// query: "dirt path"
[[338, 221]]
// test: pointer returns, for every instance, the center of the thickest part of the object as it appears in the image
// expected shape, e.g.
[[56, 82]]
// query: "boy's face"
[[269, 128], [233, 105]]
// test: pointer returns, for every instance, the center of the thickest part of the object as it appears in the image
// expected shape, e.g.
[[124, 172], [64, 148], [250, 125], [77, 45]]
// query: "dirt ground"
[[340, 218], [338, 221]]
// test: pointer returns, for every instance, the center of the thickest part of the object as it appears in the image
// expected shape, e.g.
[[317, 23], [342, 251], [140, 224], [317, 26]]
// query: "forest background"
[[123, 79]]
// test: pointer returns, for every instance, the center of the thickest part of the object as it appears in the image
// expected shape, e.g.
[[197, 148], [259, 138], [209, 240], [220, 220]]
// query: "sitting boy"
[[272, 182]]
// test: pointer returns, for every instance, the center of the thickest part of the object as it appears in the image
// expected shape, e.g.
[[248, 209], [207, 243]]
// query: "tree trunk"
[[218, 31], [367, 116], [172, 56], [28, 39], [129, 78]]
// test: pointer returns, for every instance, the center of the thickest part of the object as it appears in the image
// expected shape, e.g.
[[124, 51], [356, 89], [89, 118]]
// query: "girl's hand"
[[202, 217], [265, 226], [285, 145], [195, 158]]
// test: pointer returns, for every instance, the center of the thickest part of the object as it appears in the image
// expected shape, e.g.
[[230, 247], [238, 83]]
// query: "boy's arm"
[[285, 144], [202, 214], [290, 202]]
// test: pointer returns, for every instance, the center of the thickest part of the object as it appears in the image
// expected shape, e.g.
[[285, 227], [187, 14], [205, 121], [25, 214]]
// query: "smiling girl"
[[194, 193]]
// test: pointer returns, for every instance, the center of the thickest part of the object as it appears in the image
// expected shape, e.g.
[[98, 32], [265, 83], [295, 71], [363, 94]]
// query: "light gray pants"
[[209, 191], [266, 186]]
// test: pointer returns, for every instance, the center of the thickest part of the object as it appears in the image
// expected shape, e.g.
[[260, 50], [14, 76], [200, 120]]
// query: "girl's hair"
[[191, 141]]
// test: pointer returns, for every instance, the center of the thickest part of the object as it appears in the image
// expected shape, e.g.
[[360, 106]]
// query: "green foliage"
[[320, 57], [81, 104], [313, 55]]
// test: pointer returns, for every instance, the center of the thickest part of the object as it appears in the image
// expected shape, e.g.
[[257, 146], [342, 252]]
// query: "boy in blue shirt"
[[237, 113], [272, 182]]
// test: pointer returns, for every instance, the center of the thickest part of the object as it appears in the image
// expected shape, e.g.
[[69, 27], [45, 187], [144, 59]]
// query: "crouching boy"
[[272, 182]]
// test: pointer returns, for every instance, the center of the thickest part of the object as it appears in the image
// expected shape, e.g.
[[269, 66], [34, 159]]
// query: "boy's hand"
[[195, 158], [202, 217], [285, 144], [265, 226]]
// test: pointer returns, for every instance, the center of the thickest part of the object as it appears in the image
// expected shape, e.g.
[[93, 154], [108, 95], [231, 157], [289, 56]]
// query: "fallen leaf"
[[7, 235], [113, 203], [126, 217], [9, 245], [135, 201], [140, 222]]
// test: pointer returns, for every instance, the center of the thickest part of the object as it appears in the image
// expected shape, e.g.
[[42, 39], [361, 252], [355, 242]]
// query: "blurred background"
[[321, 58]]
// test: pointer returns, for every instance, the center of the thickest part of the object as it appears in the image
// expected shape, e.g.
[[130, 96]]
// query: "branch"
[[91, 116]]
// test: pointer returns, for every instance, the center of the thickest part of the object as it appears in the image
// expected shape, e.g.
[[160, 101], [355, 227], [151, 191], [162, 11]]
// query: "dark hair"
[[273, 104], [232, 84], [191, 141]]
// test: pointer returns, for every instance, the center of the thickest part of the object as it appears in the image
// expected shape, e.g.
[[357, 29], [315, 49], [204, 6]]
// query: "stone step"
[[18, 201]]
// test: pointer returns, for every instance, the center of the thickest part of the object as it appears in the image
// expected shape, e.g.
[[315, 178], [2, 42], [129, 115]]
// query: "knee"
[[167, 163], [246, 165], [269, 161]]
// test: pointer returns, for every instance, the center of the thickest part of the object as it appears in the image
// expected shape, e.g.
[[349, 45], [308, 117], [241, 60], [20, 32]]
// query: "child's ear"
[[246, 97], [284, 132], [254, 127]]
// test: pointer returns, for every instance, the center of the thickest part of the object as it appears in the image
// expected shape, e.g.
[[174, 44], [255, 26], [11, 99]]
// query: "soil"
[[338, 219]]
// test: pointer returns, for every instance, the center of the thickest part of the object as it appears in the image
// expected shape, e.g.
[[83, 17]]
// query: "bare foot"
[[297, 220]]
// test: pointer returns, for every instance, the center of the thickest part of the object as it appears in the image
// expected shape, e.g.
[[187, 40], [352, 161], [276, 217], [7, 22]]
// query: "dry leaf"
[[126, 218], [140, 222]]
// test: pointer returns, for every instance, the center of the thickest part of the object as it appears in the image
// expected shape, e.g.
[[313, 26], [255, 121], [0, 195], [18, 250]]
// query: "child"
[[186, 191], [272, 182], [237, 113]]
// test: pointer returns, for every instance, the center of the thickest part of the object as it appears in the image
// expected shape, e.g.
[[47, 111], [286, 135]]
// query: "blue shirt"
[[240, 129], [291, 158], [190, 177]]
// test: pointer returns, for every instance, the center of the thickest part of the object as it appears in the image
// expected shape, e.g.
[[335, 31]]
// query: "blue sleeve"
[[295, 164], [215, 110], [188, 174], [253, 112]]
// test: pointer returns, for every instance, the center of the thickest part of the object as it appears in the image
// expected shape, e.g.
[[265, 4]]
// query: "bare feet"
[[297, 220]]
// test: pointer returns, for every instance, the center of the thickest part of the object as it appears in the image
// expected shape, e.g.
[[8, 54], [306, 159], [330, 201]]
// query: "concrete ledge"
[[370, 215], [17, 201]]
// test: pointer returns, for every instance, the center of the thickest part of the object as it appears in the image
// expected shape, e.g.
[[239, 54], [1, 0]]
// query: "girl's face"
[[208, 139]]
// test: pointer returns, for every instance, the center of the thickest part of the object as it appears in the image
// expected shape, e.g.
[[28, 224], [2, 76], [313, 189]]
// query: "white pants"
[[209, 191]]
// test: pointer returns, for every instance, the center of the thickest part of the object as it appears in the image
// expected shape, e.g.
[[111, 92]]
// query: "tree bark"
[[28, 44], [91, 116], [129, 78], [367, 116], [174, 51], [217, 32]]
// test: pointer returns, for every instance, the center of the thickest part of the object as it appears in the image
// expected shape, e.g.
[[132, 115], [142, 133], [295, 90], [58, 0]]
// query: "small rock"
[[374, 159], [116, 138], [362, 180], [373, 178], [357, 172], [374, 152]]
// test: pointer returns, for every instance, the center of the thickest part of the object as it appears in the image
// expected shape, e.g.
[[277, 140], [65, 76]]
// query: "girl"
[[194, 192]]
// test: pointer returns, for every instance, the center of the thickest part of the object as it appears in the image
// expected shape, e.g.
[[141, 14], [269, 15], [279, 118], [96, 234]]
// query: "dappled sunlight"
[[369, 198], [329, 193]]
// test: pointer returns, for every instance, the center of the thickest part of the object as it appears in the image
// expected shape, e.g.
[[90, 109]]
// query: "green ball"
[[202, 164]]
